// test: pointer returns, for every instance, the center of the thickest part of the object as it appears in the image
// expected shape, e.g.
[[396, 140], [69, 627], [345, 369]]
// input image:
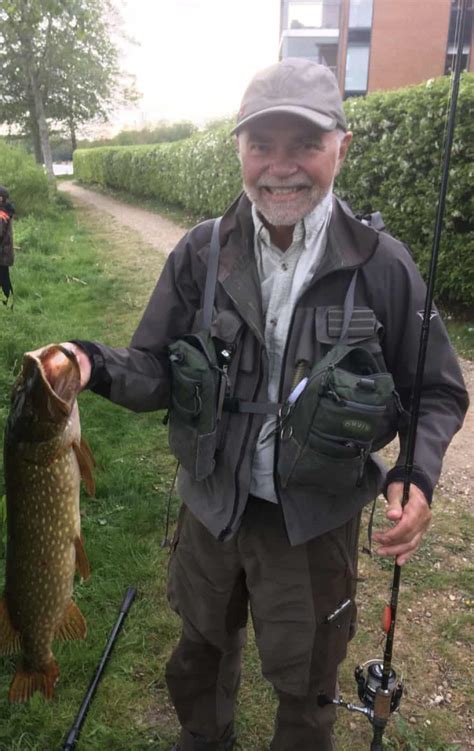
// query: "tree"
[[57, 64]]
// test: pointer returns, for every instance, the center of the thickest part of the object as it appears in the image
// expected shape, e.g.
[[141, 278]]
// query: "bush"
[[394, 166], [26, 182], [200, 173]]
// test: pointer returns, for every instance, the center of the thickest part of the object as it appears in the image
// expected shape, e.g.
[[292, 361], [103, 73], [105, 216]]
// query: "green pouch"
[[327, 434], [195, 394]]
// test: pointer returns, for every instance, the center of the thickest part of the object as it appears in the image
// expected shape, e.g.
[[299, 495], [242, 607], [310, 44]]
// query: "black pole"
[[73, 734], [380, 722]]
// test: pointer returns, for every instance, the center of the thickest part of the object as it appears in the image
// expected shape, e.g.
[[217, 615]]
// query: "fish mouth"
[[54, 376]]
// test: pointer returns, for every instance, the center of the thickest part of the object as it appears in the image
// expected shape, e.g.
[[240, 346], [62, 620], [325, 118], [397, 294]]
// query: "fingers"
[[83, 360], [409, 523]]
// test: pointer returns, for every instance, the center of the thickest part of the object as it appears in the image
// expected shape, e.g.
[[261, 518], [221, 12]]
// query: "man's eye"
[[259, 148], [312, 145]]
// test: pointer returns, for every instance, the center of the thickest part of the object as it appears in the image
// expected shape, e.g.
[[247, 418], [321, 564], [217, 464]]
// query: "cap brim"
[[322, 121]]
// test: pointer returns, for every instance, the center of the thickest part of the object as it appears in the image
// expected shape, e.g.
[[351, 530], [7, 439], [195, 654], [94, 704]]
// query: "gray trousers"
[[291, 592]]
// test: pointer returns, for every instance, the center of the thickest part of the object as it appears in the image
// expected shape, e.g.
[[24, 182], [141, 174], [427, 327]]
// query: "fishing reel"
[[368, 677], [377, 702]]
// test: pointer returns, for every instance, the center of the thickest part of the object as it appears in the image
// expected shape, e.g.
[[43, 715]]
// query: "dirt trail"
[[163, 234], [159, 232]]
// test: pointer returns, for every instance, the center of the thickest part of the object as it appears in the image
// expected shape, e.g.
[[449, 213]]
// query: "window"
[[312, 49], [452, 37], [305, 15], [321, 14], [357, 68], [360, 14]]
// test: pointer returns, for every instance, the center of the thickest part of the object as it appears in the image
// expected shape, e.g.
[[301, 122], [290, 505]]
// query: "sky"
[[194, 58]]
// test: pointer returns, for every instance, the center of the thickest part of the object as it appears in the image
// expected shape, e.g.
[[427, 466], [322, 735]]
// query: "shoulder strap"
[[348, 308], [211, 277]]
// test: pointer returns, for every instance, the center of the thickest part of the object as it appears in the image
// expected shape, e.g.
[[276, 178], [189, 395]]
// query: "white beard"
[[285, 214]]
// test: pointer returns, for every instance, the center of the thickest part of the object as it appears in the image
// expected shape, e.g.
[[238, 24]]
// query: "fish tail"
[[9, 636], [73, 625], [26, 682]]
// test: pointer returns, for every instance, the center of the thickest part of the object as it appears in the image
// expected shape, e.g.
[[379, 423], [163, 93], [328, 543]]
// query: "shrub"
[[394, 166], [200, 173], [26, 182]]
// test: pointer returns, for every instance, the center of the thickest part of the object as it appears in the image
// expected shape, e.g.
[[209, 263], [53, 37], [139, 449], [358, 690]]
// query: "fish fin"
[[73, 625], [26, 682], [86, 464], [9, 636], [82, 564]]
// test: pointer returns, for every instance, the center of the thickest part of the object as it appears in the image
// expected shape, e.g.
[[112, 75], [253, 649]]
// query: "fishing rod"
[[75, 730], [379, 689]]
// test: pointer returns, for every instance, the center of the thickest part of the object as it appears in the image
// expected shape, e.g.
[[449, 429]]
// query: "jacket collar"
[[350, 244]]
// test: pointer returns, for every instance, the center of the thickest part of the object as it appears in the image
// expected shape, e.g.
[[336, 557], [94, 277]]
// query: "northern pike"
[[44, 459]]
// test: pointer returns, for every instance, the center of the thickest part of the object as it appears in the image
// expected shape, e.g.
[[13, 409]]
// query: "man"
[[250, 532], [6, 243]]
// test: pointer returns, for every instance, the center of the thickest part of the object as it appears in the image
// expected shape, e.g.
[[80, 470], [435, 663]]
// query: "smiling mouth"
[[287, 191]]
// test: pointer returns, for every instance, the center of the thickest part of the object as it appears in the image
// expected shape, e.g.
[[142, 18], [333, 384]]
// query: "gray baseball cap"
[[296, 86]]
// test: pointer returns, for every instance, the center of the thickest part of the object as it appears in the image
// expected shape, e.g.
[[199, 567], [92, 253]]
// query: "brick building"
[[375, 44]]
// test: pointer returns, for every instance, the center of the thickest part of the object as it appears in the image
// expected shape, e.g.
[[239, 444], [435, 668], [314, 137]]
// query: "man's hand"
[[410, 523], [83, 361]]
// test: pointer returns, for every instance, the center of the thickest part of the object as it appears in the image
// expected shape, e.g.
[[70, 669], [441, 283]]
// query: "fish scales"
[[44, 461]]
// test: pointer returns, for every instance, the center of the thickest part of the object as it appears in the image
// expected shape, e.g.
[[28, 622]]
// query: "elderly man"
[[267, 521]]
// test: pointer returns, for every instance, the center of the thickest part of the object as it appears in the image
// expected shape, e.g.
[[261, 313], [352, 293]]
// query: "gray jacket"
[[390, 292]]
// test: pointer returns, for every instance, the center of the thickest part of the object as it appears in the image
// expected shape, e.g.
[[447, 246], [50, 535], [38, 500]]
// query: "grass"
[[81, 275], [461, 333]]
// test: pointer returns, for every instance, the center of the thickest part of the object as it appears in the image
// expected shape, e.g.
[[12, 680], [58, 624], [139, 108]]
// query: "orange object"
[[386, 618]]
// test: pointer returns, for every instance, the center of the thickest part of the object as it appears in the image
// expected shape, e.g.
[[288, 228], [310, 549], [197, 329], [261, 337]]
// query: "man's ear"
[[237, 145], [343, 149]]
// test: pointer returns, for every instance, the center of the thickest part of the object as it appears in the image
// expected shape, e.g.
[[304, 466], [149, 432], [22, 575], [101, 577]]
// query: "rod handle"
[[130, 595]]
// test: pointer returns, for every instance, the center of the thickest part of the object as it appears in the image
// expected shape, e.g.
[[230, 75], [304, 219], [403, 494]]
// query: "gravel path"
[[159, 232], [163, 234]]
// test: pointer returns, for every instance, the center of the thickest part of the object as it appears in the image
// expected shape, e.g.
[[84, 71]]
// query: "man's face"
[[288, 166]]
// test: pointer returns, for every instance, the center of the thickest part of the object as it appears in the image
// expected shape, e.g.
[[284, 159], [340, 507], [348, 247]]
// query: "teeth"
[[283, 191]]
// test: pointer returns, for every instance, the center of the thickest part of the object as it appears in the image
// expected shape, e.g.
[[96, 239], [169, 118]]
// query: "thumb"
[[394, 510]]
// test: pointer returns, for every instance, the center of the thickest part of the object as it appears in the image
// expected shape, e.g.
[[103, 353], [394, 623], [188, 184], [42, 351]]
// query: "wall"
[[399, 31]]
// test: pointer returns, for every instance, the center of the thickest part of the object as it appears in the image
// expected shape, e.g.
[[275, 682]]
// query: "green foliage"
[[200, 173], [394, 166], [26, 182], [162, 132], [59, 61]]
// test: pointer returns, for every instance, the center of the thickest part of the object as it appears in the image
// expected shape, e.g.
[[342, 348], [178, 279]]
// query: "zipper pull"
[[363, 455]]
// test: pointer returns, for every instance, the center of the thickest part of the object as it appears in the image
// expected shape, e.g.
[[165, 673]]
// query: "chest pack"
[[334, 419], [327, 427]]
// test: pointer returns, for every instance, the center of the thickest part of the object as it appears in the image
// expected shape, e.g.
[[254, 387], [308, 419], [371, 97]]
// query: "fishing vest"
[[331, 417]]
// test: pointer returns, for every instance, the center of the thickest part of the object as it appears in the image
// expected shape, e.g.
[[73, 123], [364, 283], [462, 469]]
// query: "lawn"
[[82, 276]]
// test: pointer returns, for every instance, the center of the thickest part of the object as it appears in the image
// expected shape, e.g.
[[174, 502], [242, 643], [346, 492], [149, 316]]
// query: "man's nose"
[[283, 164]]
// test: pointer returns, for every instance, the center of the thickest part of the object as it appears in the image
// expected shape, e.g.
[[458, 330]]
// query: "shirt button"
[[273, 321], [284, 266]]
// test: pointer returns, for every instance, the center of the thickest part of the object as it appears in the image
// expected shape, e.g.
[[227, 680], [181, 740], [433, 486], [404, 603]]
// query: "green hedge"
[[200, 173], [26, 182], [394, 166]]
